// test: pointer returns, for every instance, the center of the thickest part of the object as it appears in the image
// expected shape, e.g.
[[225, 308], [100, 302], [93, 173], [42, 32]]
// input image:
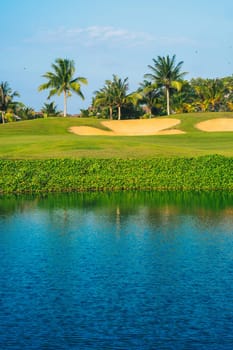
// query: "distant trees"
[[50, 109], [150, 96], [114, 94], [6, 99], [163, 92], [196, 95], [204, 95], [104, 98], [26, 112], [210, 94], [166, 76], [62, 81]]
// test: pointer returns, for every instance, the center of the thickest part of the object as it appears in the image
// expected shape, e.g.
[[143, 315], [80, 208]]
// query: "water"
[[116, 271]]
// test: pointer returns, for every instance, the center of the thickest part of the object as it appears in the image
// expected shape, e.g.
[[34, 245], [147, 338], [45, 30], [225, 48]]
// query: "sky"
[[106, 37]]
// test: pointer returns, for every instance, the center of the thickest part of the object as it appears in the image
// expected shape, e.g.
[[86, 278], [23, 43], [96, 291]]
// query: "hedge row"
[[210, 173]]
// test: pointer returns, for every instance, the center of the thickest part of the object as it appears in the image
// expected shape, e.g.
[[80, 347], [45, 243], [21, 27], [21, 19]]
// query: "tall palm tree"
[[166, 73], [6, 98], [62, 80]]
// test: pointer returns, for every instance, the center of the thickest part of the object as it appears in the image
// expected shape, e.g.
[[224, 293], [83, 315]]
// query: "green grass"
[[50, 138]]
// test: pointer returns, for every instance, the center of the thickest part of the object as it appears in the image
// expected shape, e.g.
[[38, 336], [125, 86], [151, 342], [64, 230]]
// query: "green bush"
[[208, 173]]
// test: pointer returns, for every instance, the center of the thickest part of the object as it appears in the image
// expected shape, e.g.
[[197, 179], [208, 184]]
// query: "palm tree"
[[105, 97], [211, 94], [49, 109], [6, 98], [114, 94], [119, 91], [150, 95], [120, 96], [166, 73], [62, 80], [184, 101]]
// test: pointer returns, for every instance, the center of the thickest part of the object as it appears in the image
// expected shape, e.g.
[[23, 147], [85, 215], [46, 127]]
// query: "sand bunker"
[[136, 127], [219, 124]]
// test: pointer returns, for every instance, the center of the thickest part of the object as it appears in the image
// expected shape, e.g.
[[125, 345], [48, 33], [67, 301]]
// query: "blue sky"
[[106, 37]]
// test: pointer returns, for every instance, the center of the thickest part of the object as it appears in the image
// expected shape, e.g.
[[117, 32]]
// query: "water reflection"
[[165, 203], [116, 271]]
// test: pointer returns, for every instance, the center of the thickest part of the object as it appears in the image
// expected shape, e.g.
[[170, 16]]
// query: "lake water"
[[116, 271]]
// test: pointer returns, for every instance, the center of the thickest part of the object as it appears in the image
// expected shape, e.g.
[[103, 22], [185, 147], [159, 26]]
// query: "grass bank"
[[206, 173], [50, 138], [43, 156]]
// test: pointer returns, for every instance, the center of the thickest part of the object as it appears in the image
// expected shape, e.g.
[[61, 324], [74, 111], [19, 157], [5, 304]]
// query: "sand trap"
[[88, 130], [219, 124], [131, 127]]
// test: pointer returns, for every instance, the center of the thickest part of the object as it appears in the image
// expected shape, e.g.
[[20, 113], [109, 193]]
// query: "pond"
[[116, 271]]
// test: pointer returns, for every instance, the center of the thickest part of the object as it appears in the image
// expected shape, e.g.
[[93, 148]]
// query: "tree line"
[[164, 91]]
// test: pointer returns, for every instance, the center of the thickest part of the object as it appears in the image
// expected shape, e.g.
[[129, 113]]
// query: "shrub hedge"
[[206, 173]]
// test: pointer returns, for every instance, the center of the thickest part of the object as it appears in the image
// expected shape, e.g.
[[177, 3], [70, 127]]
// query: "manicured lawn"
[[50, 138]]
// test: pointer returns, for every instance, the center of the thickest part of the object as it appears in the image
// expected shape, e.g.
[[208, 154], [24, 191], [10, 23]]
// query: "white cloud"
[[105, 35], [91, 36]]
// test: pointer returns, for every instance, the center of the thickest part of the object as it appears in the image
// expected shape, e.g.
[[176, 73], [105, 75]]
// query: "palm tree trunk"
[[110, 112], [119, 112], [149, 111], [168, 100], [3, 118], [65, 104]]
